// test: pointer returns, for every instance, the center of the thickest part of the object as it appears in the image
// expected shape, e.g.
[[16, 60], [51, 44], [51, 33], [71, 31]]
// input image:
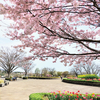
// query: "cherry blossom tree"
[[27, 66], [48, 27]]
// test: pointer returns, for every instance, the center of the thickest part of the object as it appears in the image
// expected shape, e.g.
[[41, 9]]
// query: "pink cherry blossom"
[[49, 27]]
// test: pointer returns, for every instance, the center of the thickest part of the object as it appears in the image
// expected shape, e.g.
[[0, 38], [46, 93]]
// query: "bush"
[[32, 77], [82, 82], [88, 76], [38, 96], [25, 77], [10, 79], [20, 76]]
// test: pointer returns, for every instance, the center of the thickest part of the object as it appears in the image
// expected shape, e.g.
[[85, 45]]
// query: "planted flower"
[[66, 95]]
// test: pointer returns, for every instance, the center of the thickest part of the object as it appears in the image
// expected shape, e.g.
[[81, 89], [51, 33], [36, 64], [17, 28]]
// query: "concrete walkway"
[[21, 89]]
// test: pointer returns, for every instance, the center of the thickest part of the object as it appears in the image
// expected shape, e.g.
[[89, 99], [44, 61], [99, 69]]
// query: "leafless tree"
[[86, 69], [8, 59]]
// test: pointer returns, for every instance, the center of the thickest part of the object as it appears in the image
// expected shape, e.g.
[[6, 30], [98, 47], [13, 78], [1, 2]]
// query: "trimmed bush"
[[38, 96], [32, 77], [88, 76], [20, 76], [25, 77], [82, 82], [9, 79]]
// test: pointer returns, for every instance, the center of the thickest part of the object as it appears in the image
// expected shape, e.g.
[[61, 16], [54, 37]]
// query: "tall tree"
[[9, 59], [57, 24]]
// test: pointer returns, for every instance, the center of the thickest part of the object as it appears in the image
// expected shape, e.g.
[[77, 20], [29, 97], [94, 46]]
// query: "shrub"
[[20, 76], [82, 82], [25, 77], [10, 79], [38, 96], [32, 77], [88, 76]]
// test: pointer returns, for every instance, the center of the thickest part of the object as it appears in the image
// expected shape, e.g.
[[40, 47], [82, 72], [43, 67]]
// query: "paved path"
[[21, 89]]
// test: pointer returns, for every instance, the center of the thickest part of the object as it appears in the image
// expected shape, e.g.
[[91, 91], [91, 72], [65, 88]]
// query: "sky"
[[6, 42]]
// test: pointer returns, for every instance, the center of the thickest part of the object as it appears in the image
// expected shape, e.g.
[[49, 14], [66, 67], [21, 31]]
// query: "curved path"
[[21, 89]]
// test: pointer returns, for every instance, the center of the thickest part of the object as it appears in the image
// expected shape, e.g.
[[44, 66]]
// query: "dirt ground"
[[21, 89]]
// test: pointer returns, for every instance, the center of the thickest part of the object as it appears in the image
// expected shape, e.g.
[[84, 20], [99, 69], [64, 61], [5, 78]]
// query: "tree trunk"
[[25, 73], [8, 75]]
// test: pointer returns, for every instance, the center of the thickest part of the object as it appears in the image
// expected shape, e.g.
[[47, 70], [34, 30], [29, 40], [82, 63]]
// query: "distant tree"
[[27, 66], [65, 73], [52, 71], [8, 59], [76, 70], [37, 71], [86, 69], [45, 71], [59, 73]]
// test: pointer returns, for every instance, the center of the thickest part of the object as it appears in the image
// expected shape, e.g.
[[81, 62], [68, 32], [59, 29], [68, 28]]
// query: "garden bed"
[[66, 95], [82, 82]]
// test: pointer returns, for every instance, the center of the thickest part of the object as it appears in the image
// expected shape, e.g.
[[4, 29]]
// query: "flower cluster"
[[94, 79], [66, 95]]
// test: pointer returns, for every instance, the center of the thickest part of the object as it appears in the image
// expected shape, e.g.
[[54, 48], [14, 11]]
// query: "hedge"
[[43, 77], [25, 77], [82, 82]]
